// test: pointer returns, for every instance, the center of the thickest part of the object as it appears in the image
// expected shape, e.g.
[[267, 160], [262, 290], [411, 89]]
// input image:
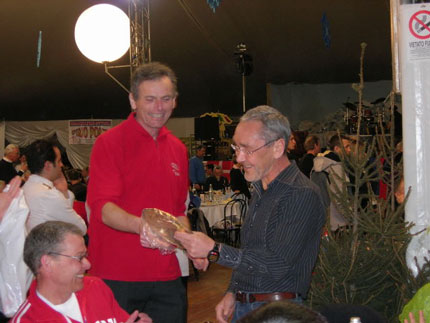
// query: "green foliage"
[[364, 263]]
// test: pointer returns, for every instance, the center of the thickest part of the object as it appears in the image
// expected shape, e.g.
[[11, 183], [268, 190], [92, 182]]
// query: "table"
[[214, 212]]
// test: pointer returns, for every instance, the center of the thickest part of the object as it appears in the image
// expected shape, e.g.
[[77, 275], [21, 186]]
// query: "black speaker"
[[206, 128]]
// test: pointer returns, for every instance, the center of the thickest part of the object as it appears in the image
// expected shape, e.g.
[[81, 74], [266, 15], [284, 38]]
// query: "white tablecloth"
[[215, 212]]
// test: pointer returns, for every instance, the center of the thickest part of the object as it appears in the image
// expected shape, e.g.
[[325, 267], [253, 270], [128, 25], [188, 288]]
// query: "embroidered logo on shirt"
[[112, 320], [175, 169]]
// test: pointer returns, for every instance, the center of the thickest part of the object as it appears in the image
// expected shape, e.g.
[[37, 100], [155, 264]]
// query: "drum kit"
[[371, 117]]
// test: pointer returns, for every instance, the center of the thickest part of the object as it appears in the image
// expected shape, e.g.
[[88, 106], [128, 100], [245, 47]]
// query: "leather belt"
[[266, 297]]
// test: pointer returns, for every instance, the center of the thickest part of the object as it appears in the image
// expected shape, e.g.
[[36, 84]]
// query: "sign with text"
[[86, 131], [416, 30]]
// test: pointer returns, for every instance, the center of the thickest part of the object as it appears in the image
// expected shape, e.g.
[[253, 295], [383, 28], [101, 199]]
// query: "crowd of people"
[[140, 164], [205, 176]]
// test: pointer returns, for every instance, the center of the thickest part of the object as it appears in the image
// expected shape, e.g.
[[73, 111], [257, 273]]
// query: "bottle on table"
[[211, 193]]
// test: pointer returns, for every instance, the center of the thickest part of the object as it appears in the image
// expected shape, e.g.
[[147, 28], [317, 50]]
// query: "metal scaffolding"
[[140, 39]]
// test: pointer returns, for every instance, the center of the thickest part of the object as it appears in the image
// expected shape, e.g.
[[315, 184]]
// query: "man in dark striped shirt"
[[281, 233]]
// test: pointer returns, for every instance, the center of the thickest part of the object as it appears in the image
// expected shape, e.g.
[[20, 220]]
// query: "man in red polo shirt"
[[135, 165]]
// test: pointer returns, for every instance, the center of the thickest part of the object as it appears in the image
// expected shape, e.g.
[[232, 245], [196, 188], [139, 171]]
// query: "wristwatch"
[[213, 255]]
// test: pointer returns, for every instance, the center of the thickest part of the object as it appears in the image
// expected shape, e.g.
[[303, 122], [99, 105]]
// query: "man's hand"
[[412, 318], [150, 240], [143, 318], [61, 185], [144, 235], [24, 167], [7, 197], [225, 308], [200, 263], [197, 244]]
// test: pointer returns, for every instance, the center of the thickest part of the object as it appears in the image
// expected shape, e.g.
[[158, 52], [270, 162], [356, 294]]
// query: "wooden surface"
[[204, 295]]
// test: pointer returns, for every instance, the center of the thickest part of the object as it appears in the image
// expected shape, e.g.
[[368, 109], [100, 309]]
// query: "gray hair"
[[44, 239], [10, 148], [151, 72], [275, 124]]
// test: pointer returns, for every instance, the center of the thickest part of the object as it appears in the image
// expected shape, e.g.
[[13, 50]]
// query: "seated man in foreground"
[[56, 254]]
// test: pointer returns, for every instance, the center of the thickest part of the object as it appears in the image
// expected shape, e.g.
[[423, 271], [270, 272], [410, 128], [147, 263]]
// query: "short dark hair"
[[210, 166], [45, 238], [310, 142], [38, 153], [150, 72], [74, 174], [335, 141], [283, 312]]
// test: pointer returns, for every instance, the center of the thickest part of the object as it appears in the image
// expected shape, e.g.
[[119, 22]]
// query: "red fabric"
[[382, 186], [226, 166], [79, 207], [132, 170], [96, 302]]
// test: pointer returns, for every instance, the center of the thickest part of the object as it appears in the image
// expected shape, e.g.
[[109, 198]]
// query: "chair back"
[[199, 222]]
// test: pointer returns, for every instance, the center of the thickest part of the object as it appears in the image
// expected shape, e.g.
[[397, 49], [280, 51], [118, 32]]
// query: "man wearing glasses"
[[56, 254], [281, 233]]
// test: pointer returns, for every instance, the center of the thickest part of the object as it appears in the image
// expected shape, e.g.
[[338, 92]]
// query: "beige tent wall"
[[23, 133]]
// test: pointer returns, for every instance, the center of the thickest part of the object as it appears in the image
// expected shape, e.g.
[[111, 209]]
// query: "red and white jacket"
[[96, 302]]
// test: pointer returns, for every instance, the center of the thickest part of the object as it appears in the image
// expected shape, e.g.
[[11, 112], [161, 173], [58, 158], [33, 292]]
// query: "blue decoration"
[[213, 4], [326, 31], [39, 49]]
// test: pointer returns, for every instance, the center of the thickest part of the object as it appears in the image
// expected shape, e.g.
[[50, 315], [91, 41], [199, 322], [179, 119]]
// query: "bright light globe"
[[102, 33]]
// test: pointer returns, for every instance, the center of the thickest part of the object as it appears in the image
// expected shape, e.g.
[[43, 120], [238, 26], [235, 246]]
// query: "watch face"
[[213, 256]]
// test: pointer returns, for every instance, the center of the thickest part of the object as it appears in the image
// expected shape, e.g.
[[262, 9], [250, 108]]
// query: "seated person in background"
[[237, 180], [85, 175], [283, 312], [218, 181], [7, 171], [56, 254], [22, 168], [312, 147], [209, 170], [46, 190], [76, 185]]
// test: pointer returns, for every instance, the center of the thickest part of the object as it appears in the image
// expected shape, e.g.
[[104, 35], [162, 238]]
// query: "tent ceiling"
[[283, 36]]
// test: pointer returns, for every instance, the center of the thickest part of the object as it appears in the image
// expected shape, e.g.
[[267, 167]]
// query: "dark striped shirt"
[[280, 237]]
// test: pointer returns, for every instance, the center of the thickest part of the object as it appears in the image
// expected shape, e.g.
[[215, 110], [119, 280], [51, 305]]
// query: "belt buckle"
[[277, 297], [241, 297]]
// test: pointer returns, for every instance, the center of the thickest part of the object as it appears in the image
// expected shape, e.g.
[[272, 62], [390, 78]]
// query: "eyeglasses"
[[238, 149], [78, 258]]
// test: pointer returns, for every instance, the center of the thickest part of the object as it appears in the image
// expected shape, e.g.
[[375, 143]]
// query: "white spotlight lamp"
[[102, 33]]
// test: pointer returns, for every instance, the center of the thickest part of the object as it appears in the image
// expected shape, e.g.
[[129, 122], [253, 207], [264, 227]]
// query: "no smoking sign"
[[419, 24]]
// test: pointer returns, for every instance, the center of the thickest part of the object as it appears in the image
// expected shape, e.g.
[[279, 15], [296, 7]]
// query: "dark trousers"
[[3, 319], [163, 301]]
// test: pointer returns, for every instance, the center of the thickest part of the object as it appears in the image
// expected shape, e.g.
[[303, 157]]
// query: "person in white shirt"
[[46, 191]]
